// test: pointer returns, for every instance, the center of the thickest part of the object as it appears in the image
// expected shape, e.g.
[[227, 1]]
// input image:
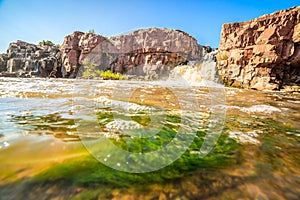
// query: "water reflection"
[[51, 124]]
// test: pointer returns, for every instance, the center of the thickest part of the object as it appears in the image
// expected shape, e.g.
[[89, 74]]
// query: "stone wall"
[[263, 53]]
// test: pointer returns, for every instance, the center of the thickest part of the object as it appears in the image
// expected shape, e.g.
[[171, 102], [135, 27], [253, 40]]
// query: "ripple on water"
[[264, 109], [249, 137], [26, 108]]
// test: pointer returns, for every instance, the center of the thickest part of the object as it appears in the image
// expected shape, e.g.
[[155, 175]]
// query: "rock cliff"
[[149, 52], [263, 53], [24, 59]]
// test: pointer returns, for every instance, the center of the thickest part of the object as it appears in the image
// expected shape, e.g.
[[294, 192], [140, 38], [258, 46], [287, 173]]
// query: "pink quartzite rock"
[[263, 53], [147, 52]]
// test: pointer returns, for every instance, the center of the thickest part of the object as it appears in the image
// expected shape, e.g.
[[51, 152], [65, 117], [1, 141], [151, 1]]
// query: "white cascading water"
[[201, 73]]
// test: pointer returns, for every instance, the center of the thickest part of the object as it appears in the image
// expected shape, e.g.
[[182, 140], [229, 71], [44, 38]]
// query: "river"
[[94, 139]]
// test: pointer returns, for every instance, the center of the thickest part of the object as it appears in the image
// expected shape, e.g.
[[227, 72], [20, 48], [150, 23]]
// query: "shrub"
[[90, 71], [98, 73], [107, 75], [86, 74], [222, 56], [91, 31], [48, 42]]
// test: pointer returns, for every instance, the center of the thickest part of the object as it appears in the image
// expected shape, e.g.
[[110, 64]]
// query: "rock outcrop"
[[25, 60], [75, 48], [149, 52], [263, 53]]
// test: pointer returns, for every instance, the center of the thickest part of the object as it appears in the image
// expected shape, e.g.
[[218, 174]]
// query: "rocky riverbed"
[[52, 134]]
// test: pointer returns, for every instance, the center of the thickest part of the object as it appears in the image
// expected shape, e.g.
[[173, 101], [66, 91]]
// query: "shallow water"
[[56, 138]]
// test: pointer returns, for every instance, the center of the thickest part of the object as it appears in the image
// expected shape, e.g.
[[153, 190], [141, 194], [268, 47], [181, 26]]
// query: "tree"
[[91, 31], [48, 42]]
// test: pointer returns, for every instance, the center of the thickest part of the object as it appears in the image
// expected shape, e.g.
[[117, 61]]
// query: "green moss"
[[88, 173], [90, 194], [8, 174]]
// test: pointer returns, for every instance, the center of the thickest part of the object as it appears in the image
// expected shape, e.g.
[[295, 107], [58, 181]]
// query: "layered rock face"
[[75, 48], [149, 52], [24, 59], [263, 53]]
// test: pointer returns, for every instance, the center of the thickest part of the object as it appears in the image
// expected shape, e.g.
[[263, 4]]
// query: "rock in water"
[[24, 59], [148, 52], [263, 53]]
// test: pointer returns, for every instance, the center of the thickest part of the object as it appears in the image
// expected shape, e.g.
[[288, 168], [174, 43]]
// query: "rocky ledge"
[[263, 53], [25, 60], [149, 52]]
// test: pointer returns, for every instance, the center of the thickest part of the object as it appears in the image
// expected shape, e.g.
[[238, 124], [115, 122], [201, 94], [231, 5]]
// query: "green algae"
[[89, 173], [94, 180]]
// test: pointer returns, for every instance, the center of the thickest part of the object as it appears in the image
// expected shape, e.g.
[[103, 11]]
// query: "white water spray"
[[199, 73]]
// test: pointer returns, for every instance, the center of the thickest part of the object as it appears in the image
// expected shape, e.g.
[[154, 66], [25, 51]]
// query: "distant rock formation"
[[149, 52], [25, 60], [263, 53]]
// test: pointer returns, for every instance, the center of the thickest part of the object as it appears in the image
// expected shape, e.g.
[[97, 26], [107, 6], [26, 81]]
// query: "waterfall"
[[199, 73]]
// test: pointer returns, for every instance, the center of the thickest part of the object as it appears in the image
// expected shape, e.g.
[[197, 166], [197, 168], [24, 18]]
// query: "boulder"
[[263, 53]]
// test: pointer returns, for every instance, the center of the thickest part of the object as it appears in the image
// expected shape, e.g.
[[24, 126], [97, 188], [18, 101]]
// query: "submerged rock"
[[263, 53]]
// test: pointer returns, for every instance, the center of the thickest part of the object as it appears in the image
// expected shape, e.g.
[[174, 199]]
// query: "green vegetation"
[[90, 71], [113, 76], [94, 180], [222, 56], [86, 172], [91, 31], [48, 42], [99, 180]]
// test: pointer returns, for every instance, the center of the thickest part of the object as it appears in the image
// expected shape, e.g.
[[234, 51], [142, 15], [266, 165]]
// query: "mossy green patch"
[[89, 172]]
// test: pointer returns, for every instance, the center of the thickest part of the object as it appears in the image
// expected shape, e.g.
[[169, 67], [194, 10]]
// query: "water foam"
[[203, 73]]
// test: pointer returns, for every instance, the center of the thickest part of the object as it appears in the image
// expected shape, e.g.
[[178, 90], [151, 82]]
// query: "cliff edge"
[[263, 53]]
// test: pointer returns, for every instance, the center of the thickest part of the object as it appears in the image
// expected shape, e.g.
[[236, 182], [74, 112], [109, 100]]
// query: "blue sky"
[[37, 20]]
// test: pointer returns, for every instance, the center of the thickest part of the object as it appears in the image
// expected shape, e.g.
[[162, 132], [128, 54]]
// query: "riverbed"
[[95, 139]]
